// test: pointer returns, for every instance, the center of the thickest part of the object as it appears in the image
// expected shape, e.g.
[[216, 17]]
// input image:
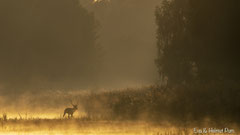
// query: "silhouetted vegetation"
[[179, 105], [197, 40], [198, 53]]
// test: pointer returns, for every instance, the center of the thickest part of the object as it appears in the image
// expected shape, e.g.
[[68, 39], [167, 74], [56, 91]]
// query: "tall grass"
[[215, 101]]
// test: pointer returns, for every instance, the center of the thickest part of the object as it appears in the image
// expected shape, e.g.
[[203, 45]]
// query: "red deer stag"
[[70, 111]]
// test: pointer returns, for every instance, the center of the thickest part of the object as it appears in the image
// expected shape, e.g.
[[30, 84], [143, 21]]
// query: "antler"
[[75, 103], [71, 102]]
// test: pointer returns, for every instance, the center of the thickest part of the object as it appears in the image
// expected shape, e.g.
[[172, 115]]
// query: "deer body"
[[70, 111]]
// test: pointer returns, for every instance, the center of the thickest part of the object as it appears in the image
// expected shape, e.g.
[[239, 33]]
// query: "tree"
[[197, 40], [171, 34]]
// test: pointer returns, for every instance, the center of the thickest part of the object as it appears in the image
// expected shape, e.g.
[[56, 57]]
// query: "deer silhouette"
[[70, 111]]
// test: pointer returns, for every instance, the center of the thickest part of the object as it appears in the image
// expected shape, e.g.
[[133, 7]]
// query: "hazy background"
[[59, 46], [127, 35]]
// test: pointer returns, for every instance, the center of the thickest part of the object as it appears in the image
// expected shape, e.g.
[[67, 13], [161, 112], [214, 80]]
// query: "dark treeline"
[[46, 44], [198, 40], [198, 52]]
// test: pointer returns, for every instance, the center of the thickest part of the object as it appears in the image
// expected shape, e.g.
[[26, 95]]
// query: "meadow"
[[79, 126], [149, 110]]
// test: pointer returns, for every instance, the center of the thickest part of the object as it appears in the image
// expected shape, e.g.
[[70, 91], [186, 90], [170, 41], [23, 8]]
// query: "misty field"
[[149, 110], [75, 126], [83, 127]]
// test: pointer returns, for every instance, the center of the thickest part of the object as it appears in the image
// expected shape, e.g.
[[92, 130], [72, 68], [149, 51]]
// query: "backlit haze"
[[34, 65]]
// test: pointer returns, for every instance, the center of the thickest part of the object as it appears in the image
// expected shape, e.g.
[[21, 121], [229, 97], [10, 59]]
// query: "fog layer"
[[60, 44], [127, 35]]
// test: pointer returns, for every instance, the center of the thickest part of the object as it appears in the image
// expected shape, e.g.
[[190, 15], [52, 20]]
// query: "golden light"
[[95, 1]]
